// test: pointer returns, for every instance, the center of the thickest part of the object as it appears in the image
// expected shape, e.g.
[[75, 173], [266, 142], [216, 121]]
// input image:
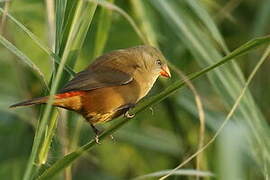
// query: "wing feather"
[[89, 80]]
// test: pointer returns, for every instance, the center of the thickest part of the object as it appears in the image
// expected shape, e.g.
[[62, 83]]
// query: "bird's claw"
[[152, 110], [97, 139], [127, 115], [112, 138]]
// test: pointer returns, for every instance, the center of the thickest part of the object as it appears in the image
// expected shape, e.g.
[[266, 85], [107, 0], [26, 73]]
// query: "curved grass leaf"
[[24, 59], [75, 40], [208, 21], [115, 8], [68, 159], [181, 172], [77, 33], [144, 18], [38, 42], [103, 28]]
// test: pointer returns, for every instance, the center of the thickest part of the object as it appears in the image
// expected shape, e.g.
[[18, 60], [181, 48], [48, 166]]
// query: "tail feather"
[[58, 99], [40, 100]]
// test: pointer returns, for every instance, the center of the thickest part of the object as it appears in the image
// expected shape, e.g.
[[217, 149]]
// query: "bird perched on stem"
[[111, 85]]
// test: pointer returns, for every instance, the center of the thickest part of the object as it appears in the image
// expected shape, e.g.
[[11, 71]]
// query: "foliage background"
[[152, 141]]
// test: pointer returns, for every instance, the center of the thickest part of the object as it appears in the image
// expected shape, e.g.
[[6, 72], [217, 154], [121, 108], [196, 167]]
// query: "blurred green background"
[[192, 35]]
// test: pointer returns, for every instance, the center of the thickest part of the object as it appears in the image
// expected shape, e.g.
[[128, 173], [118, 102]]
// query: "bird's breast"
[[145, 83]]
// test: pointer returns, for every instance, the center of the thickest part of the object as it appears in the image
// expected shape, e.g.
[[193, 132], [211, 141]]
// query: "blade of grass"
[[26, 60], [4, 16], [81, 14], [51, 22], [74, 43], [38, 42], [145, 22], [124, 14], [60, 9], [208, 21], [103, 27], [68, 159], [79, 27], [205, 17], [262, 19], [182, 172]]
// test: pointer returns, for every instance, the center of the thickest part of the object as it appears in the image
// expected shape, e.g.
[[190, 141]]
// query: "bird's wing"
[[101, 77]]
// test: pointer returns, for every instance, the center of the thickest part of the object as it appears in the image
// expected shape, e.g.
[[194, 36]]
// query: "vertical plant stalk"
[[25, 59], [51, 38], [228, 117], [145, 23], [76, 30], [51, 23], [111, 6], [63, 135], [73, 44], [103, 28], [60, 10], [4, 17], [41, 45]]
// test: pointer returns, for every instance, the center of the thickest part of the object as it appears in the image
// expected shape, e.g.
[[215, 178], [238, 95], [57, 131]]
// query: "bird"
[[109, 87]]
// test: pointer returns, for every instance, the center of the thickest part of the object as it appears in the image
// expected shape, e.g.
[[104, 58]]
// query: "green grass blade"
[[68, 159], [38, 42], [208, 21], [78, 29], [26, 60], [146, 24], [181, 172], [60, 9], [103, 27], [262, 19], [117, 9], [74, 43]]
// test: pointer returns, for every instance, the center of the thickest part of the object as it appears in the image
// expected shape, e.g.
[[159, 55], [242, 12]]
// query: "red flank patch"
[[70, 94]]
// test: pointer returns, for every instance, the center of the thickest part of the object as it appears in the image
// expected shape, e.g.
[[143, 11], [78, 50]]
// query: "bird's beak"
[[165, 72]]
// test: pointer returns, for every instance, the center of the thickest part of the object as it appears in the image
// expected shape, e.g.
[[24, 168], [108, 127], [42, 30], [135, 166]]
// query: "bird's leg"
[[127, 115], [152, 110], [112, 138], [124, 109], [97, 132]]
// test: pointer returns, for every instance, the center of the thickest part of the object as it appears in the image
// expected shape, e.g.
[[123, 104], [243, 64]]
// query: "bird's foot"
[[97, 133], [127, 115], [152, 110], [112, 138], [97, 139]]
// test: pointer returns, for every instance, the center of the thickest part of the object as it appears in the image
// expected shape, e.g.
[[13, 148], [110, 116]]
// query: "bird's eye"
[[159, 62]]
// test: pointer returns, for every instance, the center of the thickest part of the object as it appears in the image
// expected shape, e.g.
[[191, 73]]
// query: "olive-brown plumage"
[[111, 85]]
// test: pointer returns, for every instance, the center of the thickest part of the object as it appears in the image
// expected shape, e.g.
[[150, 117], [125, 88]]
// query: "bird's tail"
[[40, 100], [59, 100]]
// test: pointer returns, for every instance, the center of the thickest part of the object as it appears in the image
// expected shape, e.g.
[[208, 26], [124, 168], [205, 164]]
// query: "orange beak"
[[165, 72]]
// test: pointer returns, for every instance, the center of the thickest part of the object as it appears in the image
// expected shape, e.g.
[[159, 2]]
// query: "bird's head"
[[154, 61]]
